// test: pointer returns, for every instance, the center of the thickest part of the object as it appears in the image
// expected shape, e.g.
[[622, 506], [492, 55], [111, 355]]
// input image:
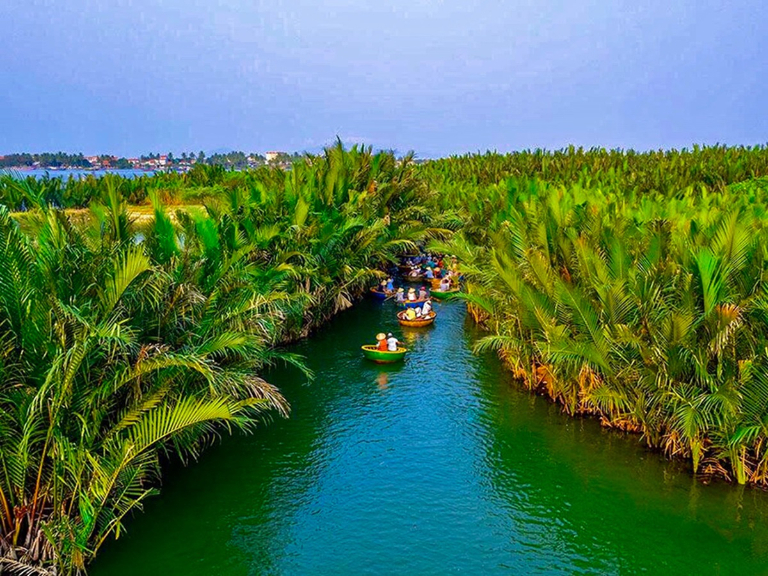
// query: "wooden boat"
[[379, 294], [404, 268], [442, 295], [371, 352], [416, 322], [414, 303]]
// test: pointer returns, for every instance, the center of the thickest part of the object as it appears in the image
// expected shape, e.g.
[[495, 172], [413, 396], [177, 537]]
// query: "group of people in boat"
[[430, 267], [427, 266], [386, 342], [432, 261], [412, 296], [419, 311], [446, 284], [387, 286]]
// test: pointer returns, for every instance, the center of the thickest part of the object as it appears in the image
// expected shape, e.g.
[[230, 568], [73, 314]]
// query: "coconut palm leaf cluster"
[[123, 342], [648, 311]]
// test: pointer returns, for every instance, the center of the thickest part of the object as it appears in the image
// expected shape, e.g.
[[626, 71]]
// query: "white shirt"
[[392, 344], [426, 309]]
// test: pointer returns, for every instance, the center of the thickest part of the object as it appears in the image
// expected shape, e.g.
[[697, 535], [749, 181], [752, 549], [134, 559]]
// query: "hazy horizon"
[[437, 77]]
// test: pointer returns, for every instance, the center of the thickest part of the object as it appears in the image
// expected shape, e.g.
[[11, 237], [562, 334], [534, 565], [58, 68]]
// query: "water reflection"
[[383, 380], [416, 336]]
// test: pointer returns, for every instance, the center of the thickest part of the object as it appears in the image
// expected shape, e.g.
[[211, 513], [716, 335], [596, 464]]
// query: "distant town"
[[150, 162]]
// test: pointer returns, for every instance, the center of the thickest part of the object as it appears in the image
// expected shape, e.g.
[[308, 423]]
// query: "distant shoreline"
[[79, 172]]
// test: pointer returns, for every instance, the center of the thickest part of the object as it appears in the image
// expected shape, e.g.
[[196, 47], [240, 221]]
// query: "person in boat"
[[427, 308], [390, 285], [410, 314], [445, 284], [429, 274], [411, 294], [415, 272], [383, 286], [392, 343], [438, 272], [422, 293], [381, 341], [400, 296]]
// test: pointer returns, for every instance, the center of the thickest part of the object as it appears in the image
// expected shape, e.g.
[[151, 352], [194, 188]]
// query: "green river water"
[[435, 466]]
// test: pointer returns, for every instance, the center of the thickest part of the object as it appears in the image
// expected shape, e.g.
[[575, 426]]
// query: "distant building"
[[93, 160], [272, 156]]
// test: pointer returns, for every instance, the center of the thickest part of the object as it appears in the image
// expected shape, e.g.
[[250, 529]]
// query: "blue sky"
[[439, 77]]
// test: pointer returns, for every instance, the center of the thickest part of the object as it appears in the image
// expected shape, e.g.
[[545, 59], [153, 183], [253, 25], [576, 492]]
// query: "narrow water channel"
[[432, 467]]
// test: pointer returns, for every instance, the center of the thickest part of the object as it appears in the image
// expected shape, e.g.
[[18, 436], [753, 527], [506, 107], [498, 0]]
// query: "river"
[[68, 173], [436, 466]]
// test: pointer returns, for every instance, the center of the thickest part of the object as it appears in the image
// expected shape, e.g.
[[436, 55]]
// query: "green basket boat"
[[440, 295], [371, 352]]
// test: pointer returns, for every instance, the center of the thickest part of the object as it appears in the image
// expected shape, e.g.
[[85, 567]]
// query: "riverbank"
[[646, 313]]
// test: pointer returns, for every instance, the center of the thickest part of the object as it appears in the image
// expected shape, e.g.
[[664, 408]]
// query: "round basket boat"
[[442, 295], [416, 322], [413, 303], [380, 295], [371, 352]]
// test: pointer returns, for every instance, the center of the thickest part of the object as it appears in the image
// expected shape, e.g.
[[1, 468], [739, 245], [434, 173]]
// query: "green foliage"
[[644, 306], [624, 285], [120, 342]]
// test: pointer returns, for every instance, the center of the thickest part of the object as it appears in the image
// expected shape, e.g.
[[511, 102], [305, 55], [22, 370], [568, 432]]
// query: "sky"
[[438, 77]]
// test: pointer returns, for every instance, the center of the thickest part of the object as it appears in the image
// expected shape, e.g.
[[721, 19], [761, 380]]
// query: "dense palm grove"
[[120, 342], [627, 286], [633, 289]]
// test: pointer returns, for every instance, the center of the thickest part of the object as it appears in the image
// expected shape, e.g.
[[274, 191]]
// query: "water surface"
[[437, 466], [67, 173]]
